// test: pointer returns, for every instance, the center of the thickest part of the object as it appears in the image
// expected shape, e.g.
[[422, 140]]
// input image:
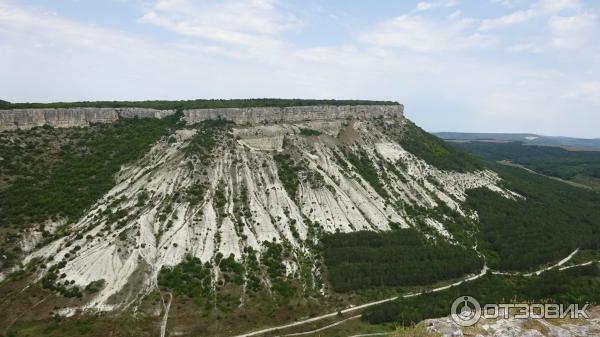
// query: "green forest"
[[403, 257], [578, 166], [573, 286], [432, 149], [195, 104], [58, 173], [522, 234]]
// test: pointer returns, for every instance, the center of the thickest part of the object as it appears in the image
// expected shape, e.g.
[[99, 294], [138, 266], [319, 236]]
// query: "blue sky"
[[479, 66]]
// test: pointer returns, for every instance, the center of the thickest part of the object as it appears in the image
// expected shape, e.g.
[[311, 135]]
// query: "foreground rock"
[[520, 327]]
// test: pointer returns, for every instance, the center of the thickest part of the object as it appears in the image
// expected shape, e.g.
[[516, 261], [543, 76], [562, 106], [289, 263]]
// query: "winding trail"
[[577, 265], [483, 272], [538, 272], [359, 307], [322, 328], [163, 325]]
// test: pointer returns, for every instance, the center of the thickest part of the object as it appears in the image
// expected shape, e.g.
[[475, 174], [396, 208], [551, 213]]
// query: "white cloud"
[[538, 9], [591, 91], [46, 57], [250, 23], [531, 48], [506, 3], [427, 5], [570, 32], [586, 91], [421, 34]]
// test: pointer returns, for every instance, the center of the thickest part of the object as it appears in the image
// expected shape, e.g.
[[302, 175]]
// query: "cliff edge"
[[72, 117], [294, 114], [81, 117]]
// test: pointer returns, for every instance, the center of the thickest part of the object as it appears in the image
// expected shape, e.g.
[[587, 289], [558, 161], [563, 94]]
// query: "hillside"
[[525, 138], [222, 221], [581, 168]]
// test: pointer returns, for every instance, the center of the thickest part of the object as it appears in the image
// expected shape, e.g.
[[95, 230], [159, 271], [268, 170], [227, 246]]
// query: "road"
[[163, 324], [484, 271], [322, 328], [538, 272], [363, 306]]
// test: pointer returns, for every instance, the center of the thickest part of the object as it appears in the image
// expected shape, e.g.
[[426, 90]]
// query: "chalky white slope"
[[148, 220]]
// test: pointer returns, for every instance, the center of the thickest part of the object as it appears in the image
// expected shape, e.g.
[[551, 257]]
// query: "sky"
[[472, 66]]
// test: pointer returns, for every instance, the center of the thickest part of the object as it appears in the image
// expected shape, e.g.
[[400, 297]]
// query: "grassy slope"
[[433, 150]]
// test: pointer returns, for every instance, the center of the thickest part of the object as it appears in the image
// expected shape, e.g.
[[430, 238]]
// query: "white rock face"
[[294, 114], [148, 220], [72, 117], [60, 118]]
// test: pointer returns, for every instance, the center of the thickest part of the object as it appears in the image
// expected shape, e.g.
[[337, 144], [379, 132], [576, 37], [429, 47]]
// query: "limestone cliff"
[[80, 117], [294, 114], [71, 117]]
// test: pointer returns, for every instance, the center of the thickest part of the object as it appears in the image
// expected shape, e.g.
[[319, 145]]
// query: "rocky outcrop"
[[294, 114], [60, 118], [80, 117], [144, 113], [71, 117], [513, 327]]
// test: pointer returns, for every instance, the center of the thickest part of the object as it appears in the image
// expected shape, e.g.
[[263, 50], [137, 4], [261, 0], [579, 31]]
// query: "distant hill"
[[525, 138], [576, 167]]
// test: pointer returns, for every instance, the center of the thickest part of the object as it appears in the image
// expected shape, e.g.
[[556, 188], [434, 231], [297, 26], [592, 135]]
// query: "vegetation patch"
[[402, 257], [81, 172], [364, 167], [191, 278], [287, 170], [292, 172], [573, 286], [272, 259], [55, 280], [433, 150], [210, 135], [309, 132], [548, 160], [522, 234]]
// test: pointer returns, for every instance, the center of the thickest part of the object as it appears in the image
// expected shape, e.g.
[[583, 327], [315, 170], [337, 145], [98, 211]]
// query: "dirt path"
[[322, 328], [163, 324], [359, 307], [572, 183], [484, 271], [538, 272], [26, 311]]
